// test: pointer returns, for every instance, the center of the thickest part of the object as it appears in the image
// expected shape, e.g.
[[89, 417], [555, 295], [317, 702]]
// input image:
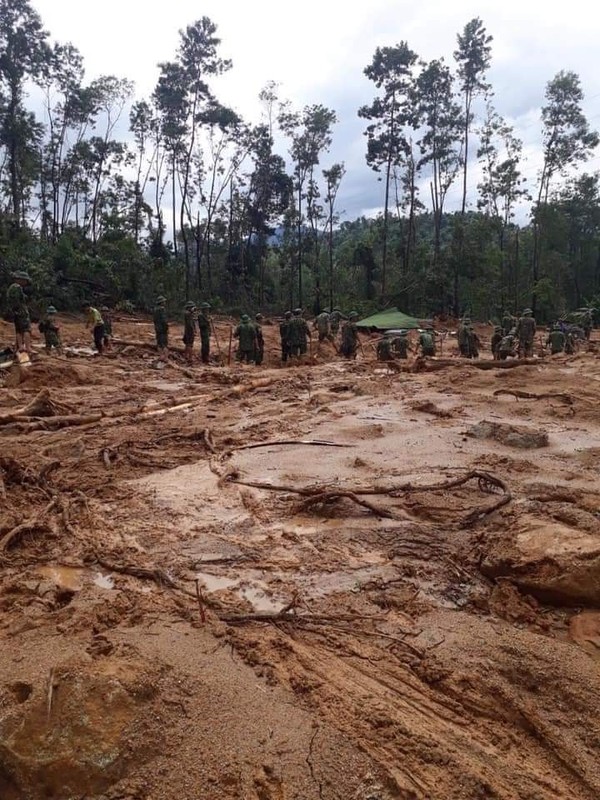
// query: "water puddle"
[[167, 386], [73, 579]]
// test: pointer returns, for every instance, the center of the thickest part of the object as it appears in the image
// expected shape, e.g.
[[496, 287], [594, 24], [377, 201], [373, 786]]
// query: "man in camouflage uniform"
[[259, 355], [349, 343], [161, 326], [496, 339], [204, 327], [284, 333], [50, 330], [526, 329], [334, 321], [570, 345], [299, 334], [471, 343], [556, 340], [321, 323], [189, 330], [507, 346], [384, 348], [400, 345], [508, 323], [18, 310], [427, 342], [463, 337], [245, 333]]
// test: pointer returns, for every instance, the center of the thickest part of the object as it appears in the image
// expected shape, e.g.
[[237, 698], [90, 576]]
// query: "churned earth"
[[334, 580]]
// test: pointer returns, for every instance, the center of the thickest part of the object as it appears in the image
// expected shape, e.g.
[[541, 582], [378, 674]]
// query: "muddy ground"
[[405, 607]]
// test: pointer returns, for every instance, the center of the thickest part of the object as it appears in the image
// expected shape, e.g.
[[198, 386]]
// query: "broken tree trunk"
[[564, 398], [422, 364], [42, 405]]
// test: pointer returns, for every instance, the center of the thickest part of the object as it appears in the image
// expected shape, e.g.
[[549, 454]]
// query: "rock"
[[554, 562], [511, 435]]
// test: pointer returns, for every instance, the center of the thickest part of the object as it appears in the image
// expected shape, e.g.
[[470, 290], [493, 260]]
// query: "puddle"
[[214, 583], [167, 386], [73, 579]]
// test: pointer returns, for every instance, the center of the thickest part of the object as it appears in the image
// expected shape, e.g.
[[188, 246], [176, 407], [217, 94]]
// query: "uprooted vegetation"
[[278, 597]]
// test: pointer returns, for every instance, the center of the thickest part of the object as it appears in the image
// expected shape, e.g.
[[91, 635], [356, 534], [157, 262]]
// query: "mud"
[[186, 616]]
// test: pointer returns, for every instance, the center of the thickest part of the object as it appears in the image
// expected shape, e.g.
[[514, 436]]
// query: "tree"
[[387, 146], [333, 178], [567, 140], [24, 54], [310, 134]]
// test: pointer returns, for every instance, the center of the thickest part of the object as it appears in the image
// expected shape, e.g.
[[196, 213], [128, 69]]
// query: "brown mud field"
[[336, 580]]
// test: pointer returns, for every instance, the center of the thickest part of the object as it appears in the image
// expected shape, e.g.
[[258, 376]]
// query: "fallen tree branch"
[[315, 442], [51, 423], [564, 398], [29, 525], [157, 575], [422, 364], [337, 494], [42, 405]]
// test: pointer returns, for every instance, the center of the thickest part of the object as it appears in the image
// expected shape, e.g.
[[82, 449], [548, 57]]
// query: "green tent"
[[390, 319]]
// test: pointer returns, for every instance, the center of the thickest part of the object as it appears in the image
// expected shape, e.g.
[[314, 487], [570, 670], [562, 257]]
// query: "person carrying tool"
[[299, 334], [526, 329], [284, 334], [349, 345], [245, 333], [189, 330]]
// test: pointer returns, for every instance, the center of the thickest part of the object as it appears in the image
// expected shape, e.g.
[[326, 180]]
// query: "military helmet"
[[403, 332], [204, 305], [338, 310], [21, 275], [287, 314], [556, 327], [258, 316], [297, 312], [352, 315], [466, 320], [189, 305], [497, 328], [51, 310], [105, 308], [160, 300], [527, 312], [245, 318]]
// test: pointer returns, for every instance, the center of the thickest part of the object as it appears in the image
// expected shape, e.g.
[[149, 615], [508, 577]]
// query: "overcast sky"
[[317, 50]]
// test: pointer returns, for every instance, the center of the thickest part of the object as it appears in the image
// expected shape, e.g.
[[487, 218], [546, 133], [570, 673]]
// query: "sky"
[[317, 51]]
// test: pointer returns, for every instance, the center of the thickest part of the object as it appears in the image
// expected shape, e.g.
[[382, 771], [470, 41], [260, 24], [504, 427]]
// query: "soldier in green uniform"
[[497, 337], [161, 326], [204, 326], [463, 337], [349, 343], [299, 334], [108, 331], [556, 340], [189, 330], [245, 333], [50, 330], [335, 318], [384, 348], [400, 345], [508, 322], [321, 323], [507, 346], [472, 343], [427, 342], [18, 310], [284, 333], [93, 320], [526, 329], [569, 343], [260, 341]]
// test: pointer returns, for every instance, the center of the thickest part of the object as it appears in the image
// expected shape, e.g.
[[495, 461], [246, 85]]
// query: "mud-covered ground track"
[[192, 608]]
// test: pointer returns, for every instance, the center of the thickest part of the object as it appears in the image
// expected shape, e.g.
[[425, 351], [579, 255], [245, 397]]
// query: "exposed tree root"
[[315, 442], [33, 523], [564, 398], [422, 364]]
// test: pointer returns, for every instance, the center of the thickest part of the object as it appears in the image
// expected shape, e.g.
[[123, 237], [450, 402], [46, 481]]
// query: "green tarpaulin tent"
[[390, 319]]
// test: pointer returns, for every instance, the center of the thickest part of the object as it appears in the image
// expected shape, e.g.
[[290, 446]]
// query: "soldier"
[[19, 312], [384, 348], [463, 337], [556, 340], [106, 316], [334, 321], [496, 339], [189, 330], [245, 333], [204, 327], [400, 345], [260, 341], [526, 333], [427, 342], [299, 334], [507, 346], [508, 322], [49, 328], [93, 320], [161, 326], [569, 343], [587, 322], [473, 343], [349, 343], [321, 323], [284, 333]]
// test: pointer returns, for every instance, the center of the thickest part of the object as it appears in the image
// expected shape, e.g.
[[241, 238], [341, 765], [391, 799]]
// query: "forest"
[[109, 197]]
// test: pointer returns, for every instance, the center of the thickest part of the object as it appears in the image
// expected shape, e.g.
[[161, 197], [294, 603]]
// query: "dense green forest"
[[108, 197]]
